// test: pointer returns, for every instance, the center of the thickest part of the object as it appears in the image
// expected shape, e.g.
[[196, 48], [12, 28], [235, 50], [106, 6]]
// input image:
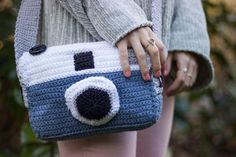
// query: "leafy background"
[[205, 121]]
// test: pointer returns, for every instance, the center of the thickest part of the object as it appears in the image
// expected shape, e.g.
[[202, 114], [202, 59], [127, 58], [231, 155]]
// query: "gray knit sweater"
[[71, 28], [70, 21]]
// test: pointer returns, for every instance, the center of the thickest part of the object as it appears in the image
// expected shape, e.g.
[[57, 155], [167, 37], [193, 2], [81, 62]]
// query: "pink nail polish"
[[147, 78], [127, 73], [158, 73]]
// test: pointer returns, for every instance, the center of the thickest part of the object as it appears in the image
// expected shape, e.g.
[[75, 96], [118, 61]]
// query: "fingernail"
[[158, 73], [128, 73], [147, 77]]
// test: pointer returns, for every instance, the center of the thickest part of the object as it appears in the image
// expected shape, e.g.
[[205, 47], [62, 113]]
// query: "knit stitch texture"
[[69, 21], [63, 105]]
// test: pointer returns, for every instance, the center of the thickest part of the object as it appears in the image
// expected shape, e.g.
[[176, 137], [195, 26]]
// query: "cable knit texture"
[[72, 21]]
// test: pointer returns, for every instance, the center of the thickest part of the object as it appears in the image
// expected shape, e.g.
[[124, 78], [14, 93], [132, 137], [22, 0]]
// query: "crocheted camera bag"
[[79, 90]]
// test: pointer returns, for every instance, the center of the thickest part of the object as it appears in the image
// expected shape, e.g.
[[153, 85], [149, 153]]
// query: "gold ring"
[[150, 42]]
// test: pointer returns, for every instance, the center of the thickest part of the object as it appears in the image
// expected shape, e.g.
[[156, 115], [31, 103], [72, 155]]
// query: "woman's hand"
[[186, 72], [138, 40]]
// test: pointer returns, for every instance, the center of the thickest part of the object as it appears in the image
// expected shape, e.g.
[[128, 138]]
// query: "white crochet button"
[[93, 101]]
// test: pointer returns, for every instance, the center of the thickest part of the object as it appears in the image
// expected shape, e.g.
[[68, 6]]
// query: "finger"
[[141, 58], [155, 59], [153, 52], [163, 54], [178, 85], [195, 74], [158, 41], [160, 45], [191, 75], [183, 62], [168, 65], [124, 58]]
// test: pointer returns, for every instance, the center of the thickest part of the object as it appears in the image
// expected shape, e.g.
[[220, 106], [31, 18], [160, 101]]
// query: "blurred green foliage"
[[16, 136], [204, 121]]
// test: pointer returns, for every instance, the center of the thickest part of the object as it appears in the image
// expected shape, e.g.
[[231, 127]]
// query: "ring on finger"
[[150, 42], [185, 70]]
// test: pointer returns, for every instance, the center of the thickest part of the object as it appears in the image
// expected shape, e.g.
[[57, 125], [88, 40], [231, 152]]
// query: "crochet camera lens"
[[93, 104], [93, 101]]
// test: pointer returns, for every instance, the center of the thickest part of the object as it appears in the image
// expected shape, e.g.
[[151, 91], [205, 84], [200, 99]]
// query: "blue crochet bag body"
[[79, 90]]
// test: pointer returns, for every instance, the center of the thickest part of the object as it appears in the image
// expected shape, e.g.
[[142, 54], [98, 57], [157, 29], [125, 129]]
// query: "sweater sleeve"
[[189, 34], [111, 19]]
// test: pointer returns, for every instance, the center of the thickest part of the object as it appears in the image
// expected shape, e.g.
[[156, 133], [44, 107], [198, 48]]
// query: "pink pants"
[[151, 142]]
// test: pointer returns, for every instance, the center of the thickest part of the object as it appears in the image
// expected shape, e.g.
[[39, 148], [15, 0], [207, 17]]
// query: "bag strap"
[[27, 25]]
